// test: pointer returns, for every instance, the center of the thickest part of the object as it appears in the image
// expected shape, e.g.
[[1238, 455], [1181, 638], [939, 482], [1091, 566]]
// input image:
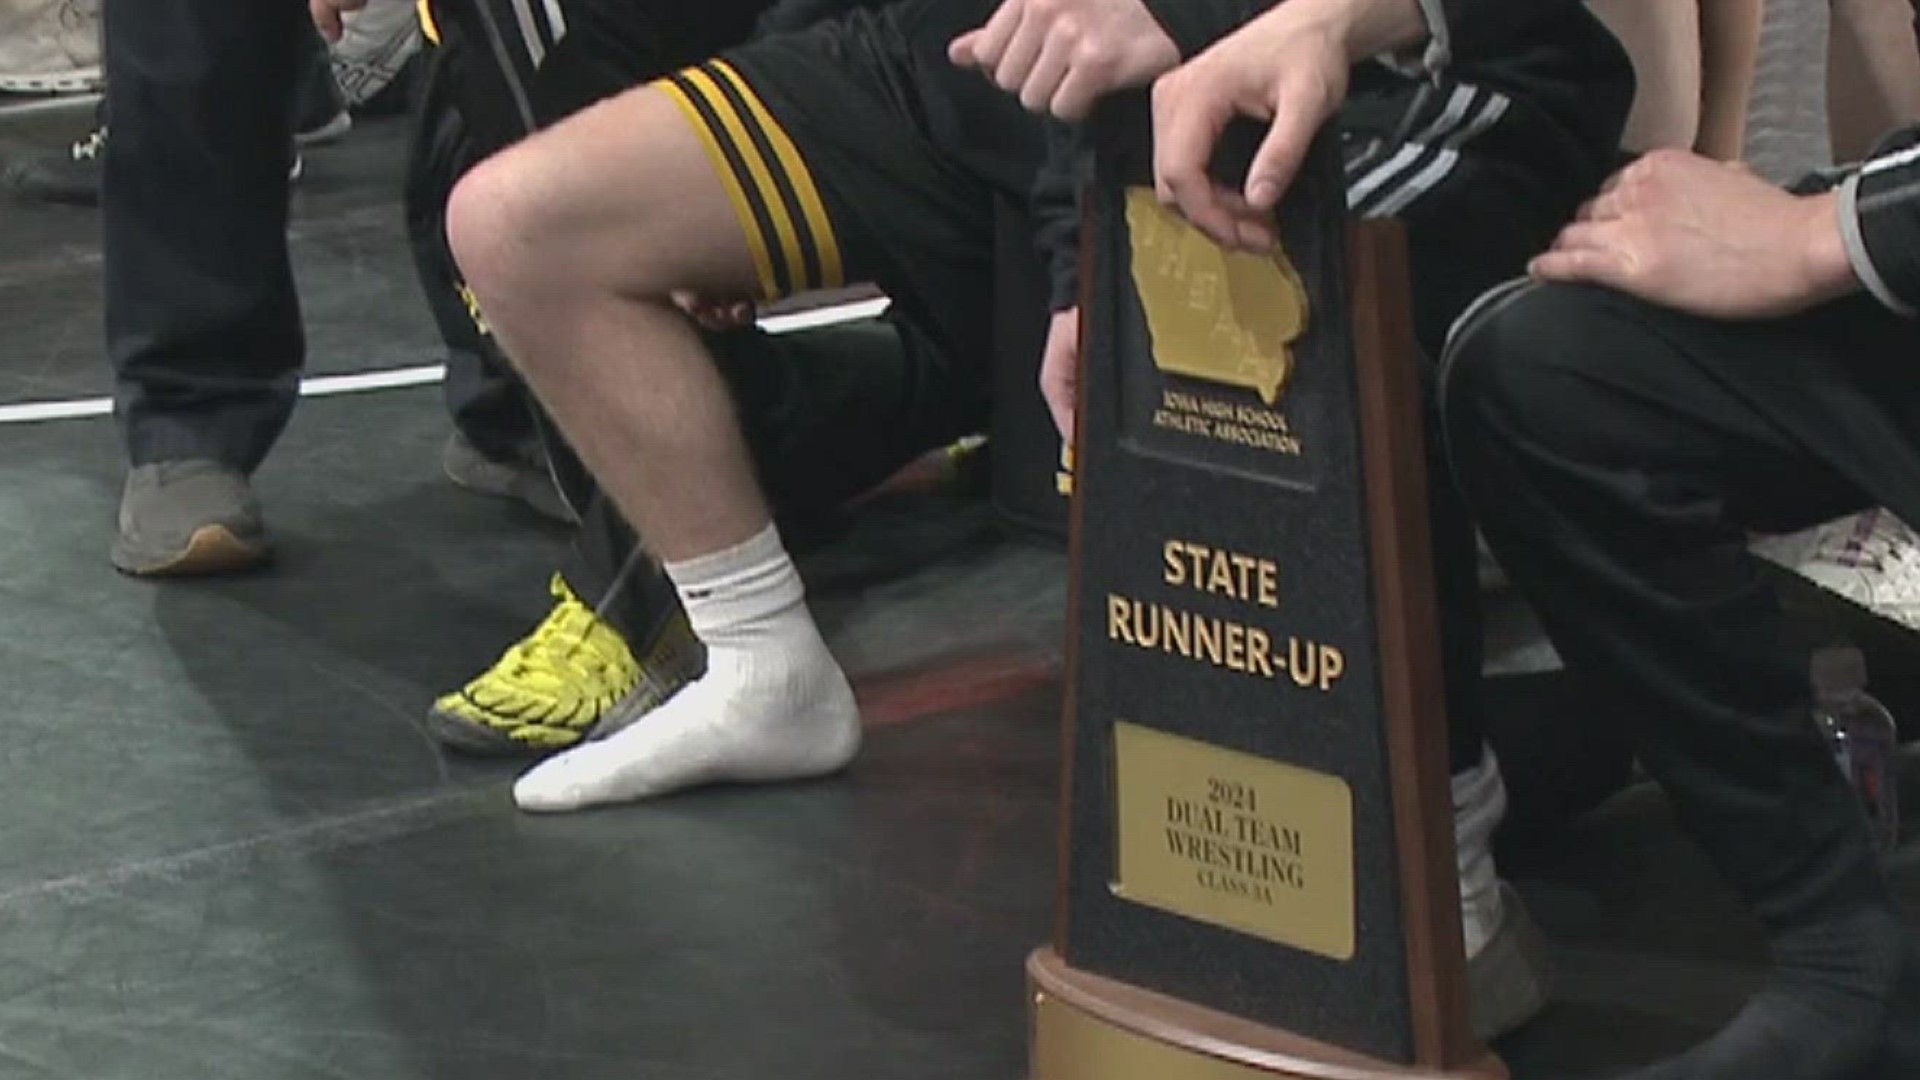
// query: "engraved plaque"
[[1239, 841]]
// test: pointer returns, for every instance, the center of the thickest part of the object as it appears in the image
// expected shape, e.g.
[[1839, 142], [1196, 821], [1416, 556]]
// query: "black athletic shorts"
[[836, 147], [828, 411]]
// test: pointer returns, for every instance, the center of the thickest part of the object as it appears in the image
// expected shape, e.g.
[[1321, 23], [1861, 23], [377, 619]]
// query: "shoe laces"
[[90, 146], [1874, 541], [1874, 560], [572, 646]]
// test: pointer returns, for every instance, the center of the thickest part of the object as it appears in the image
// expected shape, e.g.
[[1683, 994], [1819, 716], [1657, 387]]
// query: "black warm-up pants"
[[1618, 455], [203, 328]]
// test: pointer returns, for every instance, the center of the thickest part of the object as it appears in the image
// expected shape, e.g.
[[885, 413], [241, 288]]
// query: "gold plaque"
[[1226, 317], [1227, 838]]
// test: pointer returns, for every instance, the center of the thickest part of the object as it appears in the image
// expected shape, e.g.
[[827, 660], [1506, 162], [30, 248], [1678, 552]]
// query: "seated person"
[[1679, 377], [1700, 354], [830, 410], [857, 151]]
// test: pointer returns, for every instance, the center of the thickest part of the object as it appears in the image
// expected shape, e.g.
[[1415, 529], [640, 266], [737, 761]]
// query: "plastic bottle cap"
[[1839, 671]]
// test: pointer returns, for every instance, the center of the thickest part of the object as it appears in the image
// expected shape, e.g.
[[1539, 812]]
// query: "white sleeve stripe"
[[1430, 177], [1459, 104], [1857, 254], [530, 33], [556, 20], [1888, 197], [1892, 161], [1439, 38]]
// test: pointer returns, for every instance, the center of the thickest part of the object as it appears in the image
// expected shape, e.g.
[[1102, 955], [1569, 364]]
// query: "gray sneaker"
[[49, 46], [525, 478], [379, 40], [182, 518], [1511, 979]]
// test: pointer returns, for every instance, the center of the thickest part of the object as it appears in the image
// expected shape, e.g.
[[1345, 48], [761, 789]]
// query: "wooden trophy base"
[[1085, 1027]]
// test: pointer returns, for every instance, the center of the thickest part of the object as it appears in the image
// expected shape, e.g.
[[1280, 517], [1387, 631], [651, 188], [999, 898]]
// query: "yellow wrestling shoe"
[[557, 685]]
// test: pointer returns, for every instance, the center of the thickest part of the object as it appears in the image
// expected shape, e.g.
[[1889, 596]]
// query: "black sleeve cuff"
[[1065, 291], [1054, 206], [1195, 24], [1880, 222]]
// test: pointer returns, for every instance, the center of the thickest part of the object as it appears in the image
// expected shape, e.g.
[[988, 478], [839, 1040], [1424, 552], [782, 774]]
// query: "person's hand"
[[1060, 370], [329, 15], [1061, 56], [1707, 238], [718, 316], [1291, 73]]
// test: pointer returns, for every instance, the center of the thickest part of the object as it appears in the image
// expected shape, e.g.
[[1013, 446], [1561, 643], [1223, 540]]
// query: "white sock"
[[1479, 803], [773, 705]]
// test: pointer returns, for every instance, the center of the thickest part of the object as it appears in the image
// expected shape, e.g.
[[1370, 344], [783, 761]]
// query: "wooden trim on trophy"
[[1076, 524], [1413, 691], [1213, 1038]]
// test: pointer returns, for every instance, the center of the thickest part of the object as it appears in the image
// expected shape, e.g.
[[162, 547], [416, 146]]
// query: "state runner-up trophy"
[[1257, 866]]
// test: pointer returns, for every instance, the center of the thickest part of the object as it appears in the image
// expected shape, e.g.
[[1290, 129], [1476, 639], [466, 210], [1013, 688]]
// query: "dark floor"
[[227, 848]]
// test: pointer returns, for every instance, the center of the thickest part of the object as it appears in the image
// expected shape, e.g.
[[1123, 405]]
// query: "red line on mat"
[[948, 686]]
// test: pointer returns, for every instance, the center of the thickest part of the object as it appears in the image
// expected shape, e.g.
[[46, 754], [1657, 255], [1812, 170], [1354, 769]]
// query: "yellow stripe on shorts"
[[427, 26], [736, 192], [742, 142], [832, 272], [775, 199]]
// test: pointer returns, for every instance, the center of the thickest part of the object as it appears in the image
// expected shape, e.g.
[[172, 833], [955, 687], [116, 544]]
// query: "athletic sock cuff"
[[752, 580]]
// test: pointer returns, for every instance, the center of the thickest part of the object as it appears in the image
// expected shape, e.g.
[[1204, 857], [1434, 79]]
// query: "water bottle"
[[1862, 735]]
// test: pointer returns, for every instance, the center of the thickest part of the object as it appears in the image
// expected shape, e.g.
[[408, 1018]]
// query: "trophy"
[[1257, 866]]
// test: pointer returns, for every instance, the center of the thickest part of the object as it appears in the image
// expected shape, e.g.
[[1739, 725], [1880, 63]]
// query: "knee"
[[493, 230], [1545, 369], [517, 232], [536, 239]]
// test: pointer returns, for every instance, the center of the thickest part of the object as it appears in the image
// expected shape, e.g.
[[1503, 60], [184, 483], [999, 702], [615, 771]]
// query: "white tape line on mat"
[[28, 412], [28, 106]]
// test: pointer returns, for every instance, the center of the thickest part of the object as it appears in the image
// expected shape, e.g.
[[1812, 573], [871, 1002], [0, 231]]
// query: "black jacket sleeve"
[[1054, 206], [1195, 24], [789, 15], [1456, 29], [1880, 221]]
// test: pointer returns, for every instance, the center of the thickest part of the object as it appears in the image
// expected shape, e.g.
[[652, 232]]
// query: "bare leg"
[[1664, 40], [574, 243], [1873, 79]]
